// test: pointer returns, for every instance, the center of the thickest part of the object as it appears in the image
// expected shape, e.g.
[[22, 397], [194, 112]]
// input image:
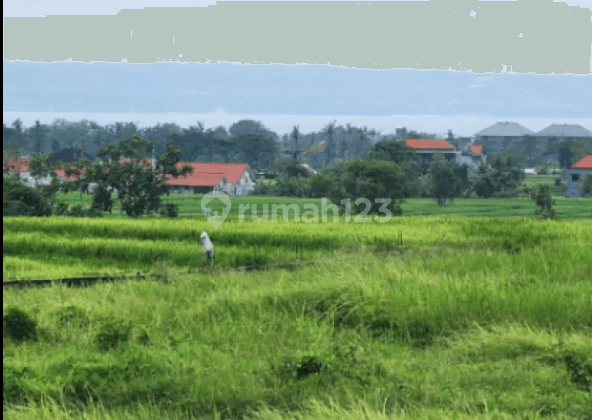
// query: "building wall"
[[498, 143], [572, 189]]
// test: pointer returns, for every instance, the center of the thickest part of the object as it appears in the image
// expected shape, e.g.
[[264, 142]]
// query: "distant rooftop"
[[565, 130], [429, 144], [505, 129], [583, 163]]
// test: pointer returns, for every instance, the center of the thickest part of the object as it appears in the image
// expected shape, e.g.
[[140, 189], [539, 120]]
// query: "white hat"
[[203, 235]]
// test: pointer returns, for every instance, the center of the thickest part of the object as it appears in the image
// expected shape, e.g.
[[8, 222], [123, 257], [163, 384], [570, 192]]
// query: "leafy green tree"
[[501, 179], [371, 180], [294, 136], [39, 131], [139, 187], [330, 148], [321, 184], [260, 151], [544, 201], [19, 199], [394, 150], [244, 127], [444, 182]]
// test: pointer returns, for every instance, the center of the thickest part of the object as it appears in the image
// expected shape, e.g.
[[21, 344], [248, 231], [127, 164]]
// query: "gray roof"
[[505, 129], [565, 130]]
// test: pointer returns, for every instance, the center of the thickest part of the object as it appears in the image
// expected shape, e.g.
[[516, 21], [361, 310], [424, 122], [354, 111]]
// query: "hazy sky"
[[280, 95]]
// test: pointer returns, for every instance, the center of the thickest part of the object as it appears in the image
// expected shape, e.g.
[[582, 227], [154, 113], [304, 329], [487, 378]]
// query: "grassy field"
[[471, 318], [190, 206], [532, 180]]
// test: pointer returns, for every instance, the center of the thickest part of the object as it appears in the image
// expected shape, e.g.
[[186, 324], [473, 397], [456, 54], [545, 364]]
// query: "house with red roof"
[[472, 155], [576, 174], [426, 148], [19, 167], [229, 178]]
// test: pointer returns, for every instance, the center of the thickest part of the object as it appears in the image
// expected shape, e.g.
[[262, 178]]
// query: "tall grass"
[[472, 318]]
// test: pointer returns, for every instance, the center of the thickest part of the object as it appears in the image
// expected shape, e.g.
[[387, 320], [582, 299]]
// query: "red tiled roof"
[[196, 180], [205, 174], [476, 149], [62, 174], [16, 164], [429, 144], [583, 163]]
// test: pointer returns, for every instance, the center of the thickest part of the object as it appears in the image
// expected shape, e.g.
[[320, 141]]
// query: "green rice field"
[[467, 318], [190, 206]]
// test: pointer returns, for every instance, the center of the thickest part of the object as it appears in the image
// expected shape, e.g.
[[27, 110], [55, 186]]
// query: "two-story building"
[[576, 174], [426, 148], [502, 136]]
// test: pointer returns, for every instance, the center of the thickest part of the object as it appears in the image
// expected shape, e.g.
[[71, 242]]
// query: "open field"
[[471, 318], [532, 180], [190, 206]]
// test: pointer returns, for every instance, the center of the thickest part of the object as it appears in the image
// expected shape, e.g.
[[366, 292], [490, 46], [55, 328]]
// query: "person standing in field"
[[208, 246]]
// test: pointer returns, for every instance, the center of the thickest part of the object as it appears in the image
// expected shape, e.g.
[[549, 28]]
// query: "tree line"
[[246, 141]]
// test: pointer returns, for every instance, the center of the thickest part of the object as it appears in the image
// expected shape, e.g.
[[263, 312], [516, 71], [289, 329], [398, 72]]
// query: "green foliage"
[[371, 180], [112, 334], [290, 187], [394, 150], [18, 325], [139, 188], [544, 201], [501, 179], [101, 198], [543, 170], [585, 185], [449, 180], [169, 210], [79, 211], [321, 184], [259, 150], [19, 199]]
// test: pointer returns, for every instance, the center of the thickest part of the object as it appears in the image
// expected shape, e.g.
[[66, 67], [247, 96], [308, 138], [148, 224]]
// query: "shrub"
[[169, 210], [544, 201], [79, 211], [18, 325], [61, 209], [20, 199], [543, 171]]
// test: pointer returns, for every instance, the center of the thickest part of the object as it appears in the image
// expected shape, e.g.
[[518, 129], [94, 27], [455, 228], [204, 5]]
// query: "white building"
[[576, 174]]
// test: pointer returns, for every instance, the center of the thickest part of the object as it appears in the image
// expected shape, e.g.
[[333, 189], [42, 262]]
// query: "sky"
[[280, 95]]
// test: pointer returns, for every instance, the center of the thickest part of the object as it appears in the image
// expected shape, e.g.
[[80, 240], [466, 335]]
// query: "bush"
[[169, 210], [291, 187], [79, 211], [19, 199], [264, 189], [320, 185], [543, 171], [558, 182], [544, 201], [18, 325], [61, 209]]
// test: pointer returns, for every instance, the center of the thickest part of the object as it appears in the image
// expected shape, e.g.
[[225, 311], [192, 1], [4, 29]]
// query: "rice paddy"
[[465, 317]]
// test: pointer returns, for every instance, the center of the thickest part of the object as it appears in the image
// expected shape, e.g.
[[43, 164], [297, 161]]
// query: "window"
[[575, 177]]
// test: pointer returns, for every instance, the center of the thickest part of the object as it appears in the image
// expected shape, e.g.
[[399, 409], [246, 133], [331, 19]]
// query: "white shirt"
[[207, 244]]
